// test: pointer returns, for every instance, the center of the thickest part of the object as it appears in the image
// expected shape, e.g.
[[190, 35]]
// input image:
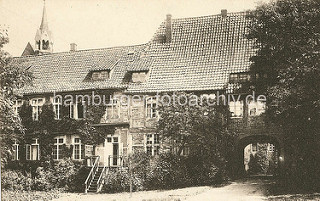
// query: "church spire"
[[44, 22], [44, 39]]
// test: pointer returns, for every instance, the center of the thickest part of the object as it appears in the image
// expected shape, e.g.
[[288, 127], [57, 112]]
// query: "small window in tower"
[[45, 44]]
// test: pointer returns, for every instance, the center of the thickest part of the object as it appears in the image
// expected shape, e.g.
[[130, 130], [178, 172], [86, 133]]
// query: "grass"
[[295, 197], [9, 195]]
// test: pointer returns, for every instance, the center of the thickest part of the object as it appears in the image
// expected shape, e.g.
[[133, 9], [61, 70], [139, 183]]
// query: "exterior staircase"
[[93, 187]]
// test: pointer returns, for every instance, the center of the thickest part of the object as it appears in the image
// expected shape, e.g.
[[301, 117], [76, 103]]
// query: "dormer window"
[[239, 77], [100, 75], [136, 76]]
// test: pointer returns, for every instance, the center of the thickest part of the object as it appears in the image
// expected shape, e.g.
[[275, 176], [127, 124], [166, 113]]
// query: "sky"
[[95, 24]]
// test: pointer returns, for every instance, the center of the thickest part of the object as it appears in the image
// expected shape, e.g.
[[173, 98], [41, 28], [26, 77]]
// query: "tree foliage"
[[287, 35], [12, 77]]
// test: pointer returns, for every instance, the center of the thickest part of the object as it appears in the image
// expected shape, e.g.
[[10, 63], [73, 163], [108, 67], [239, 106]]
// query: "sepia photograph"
[[160, 100]]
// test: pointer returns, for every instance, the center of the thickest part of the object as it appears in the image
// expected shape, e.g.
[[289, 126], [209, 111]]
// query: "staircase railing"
[[91, 174], [100, 181]]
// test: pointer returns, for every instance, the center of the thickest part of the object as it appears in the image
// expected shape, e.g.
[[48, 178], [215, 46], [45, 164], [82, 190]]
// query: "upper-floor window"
[[78, 149], [254, 147], [152, 144], [271, 147], [17, 105], [57, 104], [57, 150], [151, 106], [239, 77], [236, 109], [100, 75], [32, 150], [77, 110], [112, 109], [136, 76], [36, 104], [256, 108]]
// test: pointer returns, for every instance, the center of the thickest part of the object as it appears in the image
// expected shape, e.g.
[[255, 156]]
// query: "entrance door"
[[112, 150]]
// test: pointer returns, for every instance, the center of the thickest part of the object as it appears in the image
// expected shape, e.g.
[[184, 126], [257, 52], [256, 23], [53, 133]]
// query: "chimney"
[[73, 47], [168, 28], [224, 12]]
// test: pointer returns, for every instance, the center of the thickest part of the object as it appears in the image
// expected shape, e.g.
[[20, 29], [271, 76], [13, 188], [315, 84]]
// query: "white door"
[[113, 150], [100, 151]]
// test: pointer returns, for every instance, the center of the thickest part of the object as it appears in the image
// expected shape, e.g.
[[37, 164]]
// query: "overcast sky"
[[101, 23]]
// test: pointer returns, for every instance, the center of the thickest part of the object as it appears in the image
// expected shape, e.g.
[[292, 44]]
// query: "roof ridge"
[[84, 50], [215, 15]]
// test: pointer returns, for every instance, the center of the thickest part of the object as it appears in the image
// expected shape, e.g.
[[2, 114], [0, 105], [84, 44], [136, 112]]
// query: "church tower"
[[44, 38]]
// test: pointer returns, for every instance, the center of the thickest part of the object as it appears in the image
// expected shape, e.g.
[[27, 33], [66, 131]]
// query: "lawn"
[[9, 195], [295, 197]]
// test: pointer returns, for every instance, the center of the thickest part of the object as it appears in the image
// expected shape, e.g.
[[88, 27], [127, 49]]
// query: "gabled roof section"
[[28, 50], [202, 54], [66, 71]]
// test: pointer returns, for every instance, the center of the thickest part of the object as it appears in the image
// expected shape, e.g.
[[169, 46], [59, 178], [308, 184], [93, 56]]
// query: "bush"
[[15, 180]]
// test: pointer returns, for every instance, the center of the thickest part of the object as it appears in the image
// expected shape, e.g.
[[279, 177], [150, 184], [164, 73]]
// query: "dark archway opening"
[[258, 155]]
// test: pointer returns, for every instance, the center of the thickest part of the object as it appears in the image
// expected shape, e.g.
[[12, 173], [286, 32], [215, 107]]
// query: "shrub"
[[15, 180]]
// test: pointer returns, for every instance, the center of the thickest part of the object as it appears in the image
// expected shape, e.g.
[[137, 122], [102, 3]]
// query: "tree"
[[12, 77], [199, 127], [287, 35]]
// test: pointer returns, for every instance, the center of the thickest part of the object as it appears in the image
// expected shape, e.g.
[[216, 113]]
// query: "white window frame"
[[115, 109], [56, 145], [16, 105], [36, 104], [152, 143], [57, 105], [15, 151], [80, 149], [271, 147], [236, 109], [258, 106], [73, 110], [151, 103], [30, 147]]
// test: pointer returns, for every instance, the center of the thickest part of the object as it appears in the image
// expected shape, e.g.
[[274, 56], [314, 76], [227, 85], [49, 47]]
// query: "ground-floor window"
[[58, 148], [15, 151], [78, 149], [152, 144], [32, 150]]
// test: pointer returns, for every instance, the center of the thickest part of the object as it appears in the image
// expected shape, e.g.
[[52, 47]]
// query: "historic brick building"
[[204, 55]]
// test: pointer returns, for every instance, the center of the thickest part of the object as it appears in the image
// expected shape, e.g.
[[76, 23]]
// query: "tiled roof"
[[66, 71], [202, 54]]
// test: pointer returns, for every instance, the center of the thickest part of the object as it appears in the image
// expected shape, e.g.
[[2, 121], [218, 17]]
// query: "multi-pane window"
[[77, 110], [139, 77], [271, 147], [58, 148], [152, 144], [112, 109], [32, 150], [36, 105], [15, 151], [254, 147], [239, 77], [151, 106], [256, 108], [236, 108], [78, 150], [100, 75], [57, 104], [16, 106]]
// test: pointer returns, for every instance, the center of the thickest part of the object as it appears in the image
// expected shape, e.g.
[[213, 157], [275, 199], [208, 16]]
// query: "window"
[[254, 147], [77, 110], [58, 148], [15, 151], [151, 105], [16, 106], [36, 105], [57, 104], [100, 75], [236, 109], [112, 109], [139, 77], [152, 144], [239, 77], [271, 147], [256, 108], [78, 150], [32, 151]]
